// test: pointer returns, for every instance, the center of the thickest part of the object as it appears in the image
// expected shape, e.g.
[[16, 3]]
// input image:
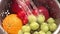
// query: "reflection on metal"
[[58, 29], [2, 30]]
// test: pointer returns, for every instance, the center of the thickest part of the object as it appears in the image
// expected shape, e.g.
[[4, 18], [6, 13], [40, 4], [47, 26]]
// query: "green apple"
[[42, 32], [26, 32], [20, 32], [52, 27], [32, 18], [34, 25], [44, 27], [50, 20], [36, 32], [49, 32], [26, 28], [41, 18]]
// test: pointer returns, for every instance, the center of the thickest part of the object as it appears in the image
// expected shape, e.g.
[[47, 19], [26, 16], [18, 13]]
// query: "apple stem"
[[25, 7]]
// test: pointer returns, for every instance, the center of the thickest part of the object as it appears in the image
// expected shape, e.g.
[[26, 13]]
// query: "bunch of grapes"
[[38, 25]]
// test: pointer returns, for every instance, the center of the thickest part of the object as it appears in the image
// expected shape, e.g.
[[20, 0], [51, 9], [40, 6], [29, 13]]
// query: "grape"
[[26, 28], [20, 32], [50, 20], [48, 32], [34, 26], [41, 18], [36, 32], [44, 27], [42, 32], [52, 27], [44, 23], [26, 33], [32, 18]]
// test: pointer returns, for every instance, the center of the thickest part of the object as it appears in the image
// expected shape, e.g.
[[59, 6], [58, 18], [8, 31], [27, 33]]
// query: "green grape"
[[44, 27], [36, 32], [20, 32], [50, 20], [42, 32], [32, 18], [26, 32], [26, 28], [45, 24], [49, 32], [41, 18], [34, 26], [52, 27]]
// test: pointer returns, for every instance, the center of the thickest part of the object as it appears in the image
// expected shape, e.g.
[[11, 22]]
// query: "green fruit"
[[48, 32], [20, 32], [44, 23], [26, 33], [32, 18], [44, 27], [42, 32], [52, 27], [36, 32], [50, 20], [34, 26], [41, 18], [26, 28]]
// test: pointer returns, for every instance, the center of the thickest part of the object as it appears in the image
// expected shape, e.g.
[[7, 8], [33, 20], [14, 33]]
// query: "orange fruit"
[[12, 24]]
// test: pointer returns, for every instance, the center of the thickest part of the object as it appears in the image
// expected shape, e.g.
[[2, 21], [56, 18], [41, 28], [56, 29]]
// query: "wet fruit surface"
[[15, 8], [44, 11]]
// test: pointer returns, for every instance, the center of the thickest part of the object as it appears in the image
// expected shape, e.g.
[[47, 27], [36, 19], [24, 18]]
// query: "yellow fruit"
[[12, 24]]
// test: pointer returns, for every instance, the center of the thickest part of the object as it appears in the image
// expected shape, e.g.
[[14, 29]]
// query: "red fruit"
[[44, 11], [14, 7], [21, 14], [27, 2], [25, 20], [35, 12], [28, 13]]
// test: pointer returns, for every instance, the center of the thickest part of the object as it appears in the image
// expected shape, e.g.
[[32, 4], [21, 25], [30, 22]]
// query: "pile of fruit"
[[26, 21], [38, 25]]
